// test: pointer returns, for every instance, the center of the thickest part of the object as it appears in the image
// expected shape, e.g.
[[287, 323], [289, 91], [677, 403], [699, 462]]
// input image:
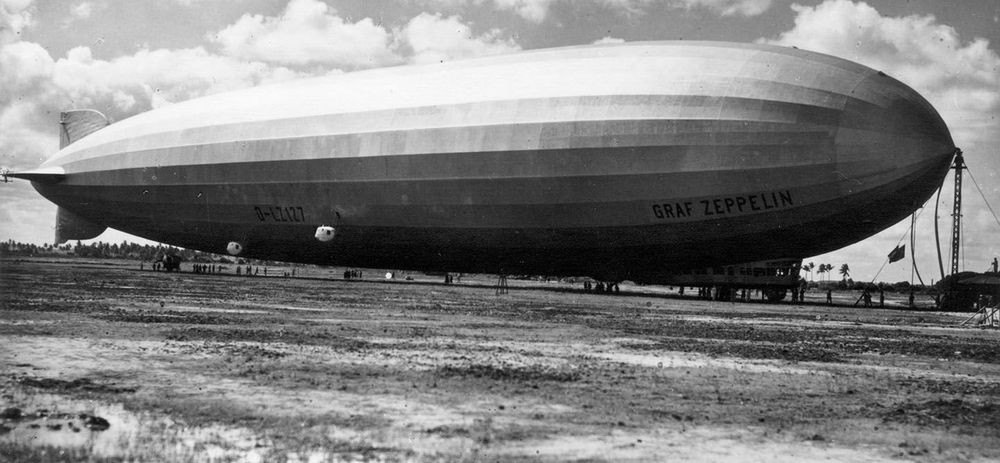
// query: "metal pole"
[[956, 216]]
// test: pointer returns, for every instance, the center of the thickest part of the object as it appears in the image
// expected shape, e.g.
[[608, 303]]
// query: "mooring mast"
[[956, 215]]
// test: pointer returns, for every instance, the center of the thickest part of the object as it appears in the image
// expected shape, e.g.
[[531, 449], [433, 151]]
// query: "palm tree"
[[821, 271], [845, 271], [809, 268]]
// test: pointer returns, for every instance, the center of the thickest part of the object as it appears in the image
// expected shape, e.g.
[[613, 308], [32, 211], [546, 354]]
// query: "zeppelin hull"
[[506, 229], [692, 155]]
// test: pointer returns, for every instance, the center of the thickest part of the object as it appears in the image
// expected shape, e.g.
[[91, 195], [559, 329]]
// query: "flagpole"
[[913, 250]]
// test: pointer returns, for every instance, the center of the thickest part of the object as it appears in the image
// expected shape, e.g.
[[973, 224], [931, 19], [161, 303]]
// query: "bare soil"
[[100, 361]]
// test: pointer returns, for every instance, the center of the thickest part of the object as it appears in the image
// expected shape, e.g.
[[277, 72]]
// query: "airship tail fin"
[[78, 123], [70, 226]]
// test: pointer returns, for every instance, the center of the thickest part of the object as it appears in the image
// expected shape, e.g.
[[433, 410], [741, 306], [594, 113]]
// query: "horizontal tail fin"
[[54, 174], [78, 123], [70, 226]]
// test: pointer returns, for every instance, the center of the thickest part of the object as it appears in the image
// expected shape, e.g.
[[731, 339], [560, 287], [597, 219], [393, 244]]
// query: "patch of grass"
[[76, 385], [246, 353], [974, 417], [13, 451], [292, 335], [797, 352], [169, 316], [951, 386], [511, 373], [268, 423]]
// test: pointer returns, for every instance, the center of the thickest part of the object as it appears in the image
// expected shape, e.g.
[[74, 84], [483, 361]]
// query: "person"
[[829, 296], [239, 270], [881, 297], [802, 294], [868, 298], [911, 299]]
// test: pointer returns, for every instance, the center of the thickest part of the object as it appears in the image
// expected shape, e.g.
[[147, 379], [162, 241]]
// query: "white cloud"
[[538, 11], [79, 12], [532, 10], [432, 38], [22, 66], [15, 17], [187, 3], [721, 7], [173, 75], [308, 32], [609, 40], [960, 78], [82, 10], [728, 7]]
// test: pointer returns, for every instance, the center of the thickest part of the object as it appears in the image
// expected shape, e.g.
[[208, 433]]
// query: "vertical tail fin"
[[70, 226], [78, 123]]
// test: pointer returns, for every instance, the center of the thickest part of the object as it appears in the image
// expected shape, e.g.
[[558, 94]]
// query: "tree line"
[[826, 270], [101, 250]]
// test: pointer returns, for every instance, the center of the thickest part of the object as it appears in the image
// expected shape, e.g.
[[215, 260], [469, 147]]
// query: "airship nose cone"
[[898, 120], [913, 117], [893, 149]]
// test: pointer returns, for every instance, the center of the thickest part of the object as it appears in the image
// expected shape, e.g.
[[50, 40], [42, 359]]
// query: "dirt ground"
[[100, 361]]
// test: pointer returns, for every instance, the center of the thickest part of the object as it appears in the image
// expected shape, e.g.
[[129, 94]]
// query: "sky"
[[124, 57]]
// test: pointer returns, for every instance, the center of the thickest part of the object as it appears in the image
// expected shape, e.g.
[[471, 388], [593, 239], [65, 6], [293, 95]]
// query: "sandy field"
[[103, 362]]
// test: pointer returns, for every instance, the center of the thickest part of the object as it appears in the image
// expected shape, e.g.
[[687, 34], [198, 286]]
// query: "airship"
[[619, 161]]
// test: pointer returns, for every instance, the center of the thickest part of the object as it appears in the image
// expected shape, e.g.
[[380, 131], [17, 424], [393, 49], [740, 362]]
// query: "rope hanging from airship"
[[983, 195]]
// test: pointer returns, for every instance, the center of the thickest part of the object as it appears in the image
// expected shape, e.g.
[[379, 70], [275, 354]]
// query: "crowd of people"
[[601, 287], [350, 274]]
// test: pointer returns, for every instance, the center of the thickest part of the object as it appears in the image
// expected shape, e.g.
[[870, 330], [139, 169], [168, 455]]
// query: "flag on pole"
[[897, 254]]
